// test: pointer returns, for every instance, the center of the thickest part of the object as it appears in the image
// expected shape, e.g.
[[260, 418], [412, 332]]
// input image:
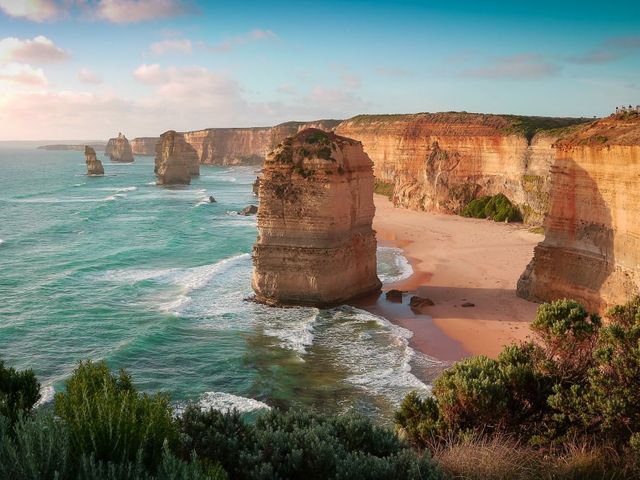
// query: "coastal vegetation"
[[497, 207], [381, 187], [569, 398]]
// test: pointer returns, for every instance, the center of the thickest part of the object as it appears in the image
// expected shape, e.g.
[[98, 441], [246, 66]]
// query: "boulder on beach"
[[417, 303], [394, 295]]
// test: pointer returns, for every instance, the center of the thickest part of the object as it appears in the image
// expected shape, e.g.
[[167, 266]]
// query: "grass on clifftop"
[[529, 126]]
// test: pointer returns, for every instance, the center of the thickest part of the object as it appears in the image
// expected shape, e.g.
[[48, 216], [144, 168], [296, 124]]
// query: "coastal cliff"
[[144, 146], [94, 166], [591, 250], [315, 242], [119, 150], [174, 159], [439, 162]]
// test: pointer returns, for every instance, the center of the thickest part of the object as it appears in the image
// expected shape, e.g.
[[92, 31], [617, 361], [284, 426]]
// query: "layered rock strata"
[[174, 159], [315, 242], [591, 250], [439, 162], [119, 150], [144, 146], [94, 166]]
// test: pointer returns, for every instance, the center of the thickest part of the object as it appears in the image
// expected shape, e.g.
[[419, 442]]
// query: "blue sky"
[[90, 68]]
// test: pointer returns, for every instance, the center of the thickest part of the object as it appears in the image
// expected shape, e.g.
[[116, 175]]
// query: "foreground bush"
[[498, 208], [300, 445], [579, 380], [19, 391]]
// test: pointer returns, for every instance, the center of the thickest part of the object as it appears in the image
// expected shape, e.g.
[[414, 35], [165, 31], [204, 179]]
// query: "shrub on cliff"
[[298, 444], [19, 391], [578, 380], [498, 208], [383, 188], [109, 420]]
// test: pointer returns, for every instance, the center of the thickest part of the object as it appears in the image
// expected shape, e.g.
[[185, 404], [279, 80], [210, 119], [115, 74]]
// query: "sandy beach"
[[455, 261]]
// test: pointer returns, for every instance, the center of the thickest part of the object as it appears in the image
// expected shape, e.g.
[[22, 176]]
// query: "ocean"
[[155, 280]]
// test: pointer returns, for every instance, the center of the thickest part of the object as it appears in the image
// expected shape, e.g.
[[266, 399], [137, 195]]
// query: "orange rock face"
[[94, 166], [119, 150], [175, 159], [144, 145], [315, 242], [591, 250], [439, 162]]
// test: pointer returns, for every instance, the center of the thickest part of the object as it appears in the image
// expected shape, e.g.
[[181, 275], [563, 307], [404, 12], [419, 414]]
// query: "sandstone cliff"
[[174, 159], [145, 146], [439, 162], [315, 242], [591, 250], [119, 150], [94, 166]]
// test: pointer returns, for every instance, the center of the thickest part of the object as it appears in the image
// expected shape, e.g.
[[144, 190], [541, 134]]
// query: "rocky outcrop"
[[439, 162], [315, 242], [119, 150], [94, 166], [591, 250], [144, 146], [174, 159]]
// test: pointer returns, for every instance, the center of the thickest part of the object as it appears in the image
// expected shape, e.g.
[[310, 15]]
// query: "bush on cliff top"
[[383, 188], [498, 208]]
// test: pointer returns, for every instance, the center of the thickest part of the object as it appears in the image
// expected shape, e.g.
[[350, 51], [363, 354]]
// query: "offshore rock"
[[591, 250], [315, 244], [249, 210], [174, 159], [94, 166], [119, 150]]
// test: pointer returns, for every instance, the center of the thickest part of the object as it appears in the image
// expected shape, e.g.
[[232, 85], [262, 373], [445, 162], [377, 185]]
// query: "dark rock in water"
[[468, 304], [250, 210], [394, 296], [256, 186], [211, 199], [418, 303]]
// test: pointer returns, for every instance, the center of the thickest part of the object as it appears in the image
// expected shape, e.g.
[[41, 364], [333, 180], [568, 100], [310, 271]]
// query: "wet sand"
[[455, 261]]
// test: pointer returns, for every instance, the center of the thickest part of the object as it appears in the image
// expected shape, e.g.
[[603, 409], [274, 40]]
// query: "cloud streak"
[[37, 50], [171, 45], [515, 67], [34, 10], [257, 35], [23, 74]]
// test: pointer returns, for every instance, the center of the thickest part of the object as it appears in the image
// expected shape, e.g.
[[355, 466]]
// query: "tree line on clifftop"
[[566, 405]]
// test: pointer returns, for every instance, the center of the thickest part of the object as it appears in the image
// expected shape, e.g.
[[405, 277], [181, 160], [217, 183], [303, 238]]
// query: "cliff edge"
[[591, 250], [315, 243]]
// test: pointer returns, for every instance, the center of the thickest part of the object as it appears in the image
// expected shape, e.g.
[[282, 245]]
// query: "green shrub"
[[300, 445], [109, 419], [383, 188], [498, 208], [19, 391]]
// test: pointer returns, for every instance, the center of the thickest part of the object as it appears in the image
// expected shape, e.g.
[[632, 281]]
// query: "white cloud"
[[171, 45], [22, 74], [34, 10], [149, 74], [257, 35], [87, 76], [40, 49], [132, 11], [524, 66]]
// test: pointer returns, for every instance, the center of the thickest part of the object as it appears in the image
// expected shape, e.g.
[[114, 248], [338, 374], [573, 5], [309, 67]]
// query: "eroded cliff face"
[[94, 166], [174, 159], [439, 162], [119, 150], [144, 146], [315, 242], [591, 250]]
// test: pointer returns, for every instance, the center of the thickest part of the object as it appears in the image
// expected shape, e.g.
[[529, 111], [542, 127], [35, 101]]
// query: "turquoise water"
[[155, 279]]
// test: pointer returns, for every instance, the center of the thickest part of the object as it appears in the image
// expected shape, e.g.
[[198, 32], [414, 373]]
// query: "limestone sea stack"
[[94, 166], [119, 150], [174, 159], [315, 244], [591, 250]]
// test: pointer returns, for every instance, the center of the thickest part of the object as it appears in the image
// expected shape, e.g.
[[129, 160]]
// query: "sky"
[[88, 69]]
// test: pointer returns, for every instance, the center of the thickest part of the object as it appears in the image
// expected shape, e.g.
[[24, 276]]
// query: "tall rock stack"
[[94, 166], [119, 150], [591, 251], [315, 244], [174, 159]]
